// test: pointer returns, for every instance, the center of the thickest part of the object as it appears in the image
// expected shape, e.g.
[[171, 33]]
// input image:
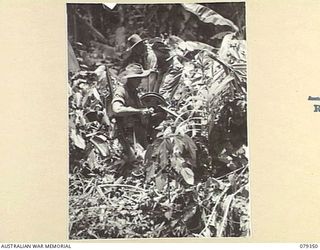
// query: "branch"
[[123, 185], [222, 176], [228, 203], [93, 30], [214, 210]]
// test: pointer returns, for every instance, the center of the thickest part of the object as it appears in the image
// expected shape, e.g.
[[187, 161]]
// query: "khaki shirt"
[[128, 99]]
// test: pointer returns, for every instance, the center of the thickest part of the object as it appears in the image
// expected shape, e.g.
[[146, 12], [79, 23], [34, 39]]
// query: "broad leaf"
[[150, 172], [163, 154], [96, 94], [192, 45], [182, 128], [156, 147], [177, 163], [206, 233], [101, 146], [187, 175], [216, 89], [77, 98], [190, 146], [119, 180], [220, 35], [174, 41], [178, 147], [105, 119], [79, 119], [101, 72], [169, 145], [77, 139], [226, 205], [160, 182], [91, 159], [168, 214], [232, 49], [148, 154], [208, 15], [101, 137]]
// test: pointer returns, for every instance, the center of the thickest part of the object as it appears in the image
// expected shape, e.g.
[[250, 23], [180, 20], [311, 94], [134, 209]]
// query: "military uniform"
[[152, 57], [130, 125]]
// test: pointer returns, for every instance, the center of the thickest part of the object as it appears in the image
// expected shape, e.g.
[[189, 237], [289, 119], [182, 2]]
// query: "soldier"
[[130, 114], [153, 56], [141, 52]]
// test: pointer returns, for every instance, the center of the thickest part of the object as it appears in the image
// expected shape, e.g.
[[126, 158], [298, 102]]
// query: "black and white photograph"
[[157, 105]]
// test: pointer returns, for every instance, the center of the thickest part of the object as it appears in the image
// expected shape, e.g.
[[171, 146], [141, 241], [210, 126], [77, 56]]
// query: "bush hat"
[[134, 40], [135, 70]]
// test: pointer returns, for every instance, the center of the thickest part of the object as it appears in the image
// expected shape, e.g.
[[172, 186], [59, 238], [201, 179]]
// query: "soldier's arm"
[[121, 110], [119, 107], [118, 104]]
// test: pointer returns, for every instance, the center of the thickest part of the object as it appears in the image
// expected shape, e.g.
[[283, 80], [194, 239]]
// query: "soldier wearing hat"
[[125, 98], [129, 111], [141, 52], [147, 53]]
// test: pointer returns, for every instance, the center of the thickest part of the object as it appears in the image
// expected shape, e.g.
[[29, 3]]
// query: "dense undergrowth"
[[195, 173]]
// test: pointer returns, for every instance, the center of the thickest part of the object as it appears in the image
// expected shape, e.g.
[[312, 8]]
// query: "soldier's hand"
[[147, 111]]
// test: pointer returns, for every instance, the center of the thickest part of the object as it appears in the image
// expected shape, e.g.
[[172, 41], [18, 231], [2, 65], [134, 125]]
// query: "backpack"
[[162, 52]]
